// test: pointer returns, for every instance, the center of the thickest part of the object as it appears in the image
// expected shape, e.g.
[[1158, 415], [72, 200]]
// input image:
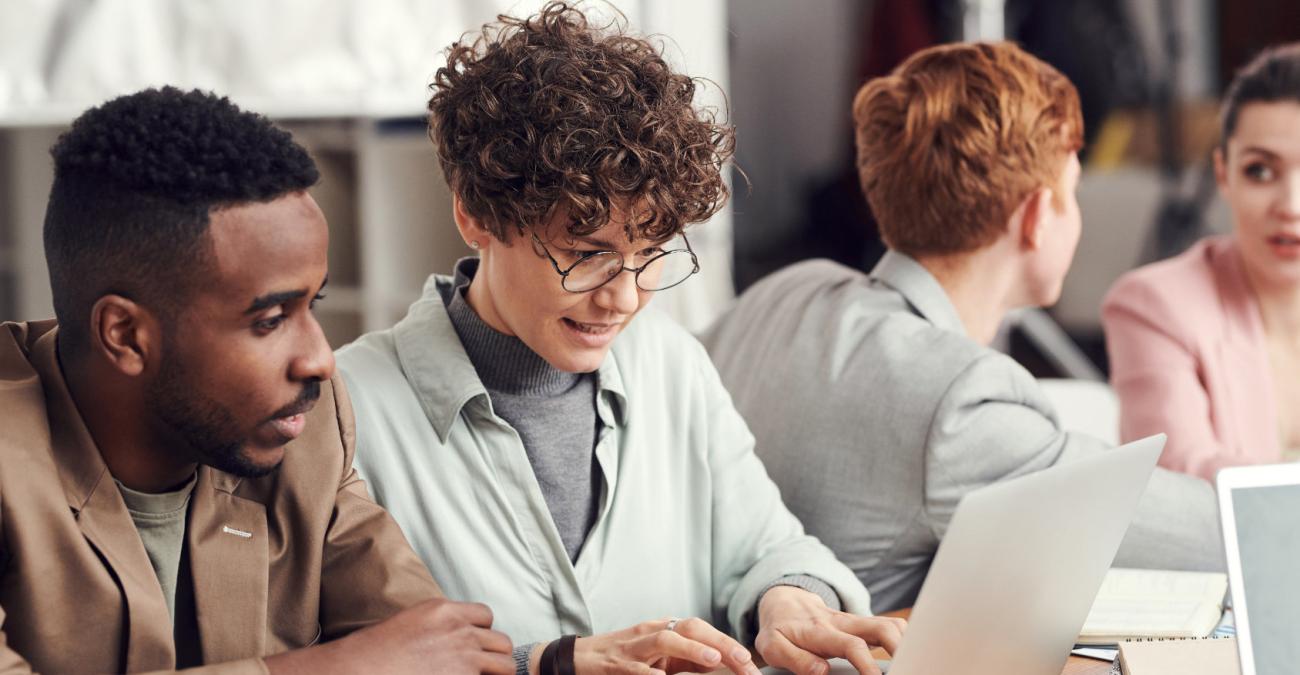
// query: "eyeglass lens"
[[664, 271]]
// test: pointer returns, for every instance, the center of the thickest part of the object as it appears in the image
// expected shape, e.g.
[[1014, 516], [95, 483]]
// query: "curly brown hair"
[[547, 114]]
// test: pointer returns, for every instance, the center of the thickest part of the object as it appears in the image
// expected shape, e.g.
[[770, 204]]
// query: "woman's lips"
[[591, 334], [1284, 245]]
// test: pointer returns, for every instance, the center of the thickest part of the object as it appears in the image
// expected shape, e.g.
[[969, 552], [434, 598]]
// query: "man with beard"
[[176, 482]]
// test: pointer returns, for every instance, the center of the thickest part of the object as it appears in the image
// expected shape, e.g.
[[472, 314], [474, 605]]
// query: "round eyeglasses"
[[597, 268]]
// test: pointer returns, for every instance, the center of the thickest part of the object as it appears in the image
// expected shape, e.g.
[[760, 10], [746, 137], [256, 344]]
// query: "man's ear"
[[124, 333], [1030, 218]]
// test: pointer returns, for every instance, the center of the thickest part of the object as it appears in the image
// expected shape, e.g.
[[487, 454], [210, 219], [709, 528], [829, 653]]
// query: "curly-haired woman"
[[550, 449]]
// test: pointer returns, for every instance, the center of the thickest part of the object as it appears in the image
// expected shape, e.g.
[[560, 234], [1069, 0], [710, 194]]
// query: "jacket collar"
[[81, 468], [919, 288], [1236, 298], [102, 516], [230, 573], [441, 373]]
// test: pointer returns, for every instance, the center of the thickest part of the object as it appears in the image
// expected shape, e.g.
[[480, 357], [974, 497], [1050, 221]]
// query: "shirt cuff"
[[808, 583], [521, 654]]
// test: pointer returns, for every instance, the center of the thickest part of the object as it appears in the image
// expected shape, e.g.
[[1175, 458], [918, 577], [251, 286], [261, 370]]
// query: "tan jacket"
[[279, 562]]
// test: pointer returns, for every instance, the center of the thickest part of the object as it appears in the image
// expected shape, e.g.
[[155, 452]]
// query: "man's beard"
[[208, 427]]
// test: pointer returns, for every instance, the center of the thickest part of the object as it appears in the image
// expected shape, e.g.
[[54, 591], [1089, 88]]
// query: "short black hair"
[[135, 180], [1271, 77]]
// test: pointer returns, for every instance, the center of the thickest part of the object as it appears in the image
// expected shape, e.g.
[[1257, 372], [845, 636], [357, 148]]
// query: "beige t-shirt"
[[160, 519]]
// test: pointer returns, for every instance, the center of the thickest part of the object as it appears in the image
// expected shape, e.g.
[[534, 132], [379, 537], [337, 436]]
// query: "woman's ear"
[[471, 231], [1220, 169]]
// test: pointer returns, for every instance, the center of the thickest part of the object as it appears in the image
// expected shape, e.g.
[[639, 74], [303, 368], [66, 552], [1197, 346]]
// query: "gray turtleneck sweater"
[[554, 413]]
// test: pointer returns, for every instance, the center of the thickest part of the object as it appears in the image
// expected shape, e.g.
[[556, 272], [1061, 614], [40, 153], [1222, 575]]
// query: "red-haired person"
[[550, 448], [875, 398], [1205, 346]]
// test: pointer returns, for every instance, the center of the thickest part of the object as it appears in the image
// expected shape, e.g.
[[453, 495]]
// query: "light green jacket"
[[689, 522]]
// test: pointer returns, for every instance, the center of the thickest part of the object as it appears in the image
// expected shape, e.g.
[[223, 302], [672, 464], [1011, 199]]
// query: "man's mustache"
[[305, 401]]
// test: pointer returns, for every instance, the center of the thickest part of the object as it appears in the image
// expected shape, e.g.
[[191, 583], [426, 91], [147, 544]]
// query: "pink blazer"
[[1188, 358]]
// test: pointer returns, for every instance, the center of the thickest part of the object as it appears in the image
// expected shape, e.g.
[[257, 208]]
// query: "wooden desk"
[[1076, 665]]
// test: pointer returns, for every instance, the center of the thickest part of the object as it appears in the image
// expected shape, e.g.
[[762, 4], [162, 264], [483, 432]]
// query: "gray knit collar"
[[504, 363]]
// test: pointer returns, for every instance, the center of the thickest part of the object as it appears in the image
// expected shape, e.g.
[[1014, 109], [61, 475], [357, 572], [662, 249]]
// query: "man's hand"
[[437, 636], [650, 648], [798, 632]]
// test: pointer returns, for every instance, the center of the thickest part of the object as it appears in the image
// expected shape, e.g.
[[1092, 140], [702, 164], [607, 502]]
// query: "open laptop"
[[1020, 565], [1259, 507]]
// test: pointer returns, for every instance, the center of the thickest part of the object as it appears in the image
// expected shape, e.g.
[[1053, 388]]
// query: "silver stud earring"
[[474, 245]]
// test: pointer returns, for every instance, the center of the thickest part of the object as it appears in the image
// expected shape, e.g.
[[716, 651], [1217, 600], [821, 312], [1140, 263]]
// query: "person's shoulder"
[[373, 349], [991, 376], [1194, 267], [918, 353], [374, 361], [816, 271], [1175, 289], [651, 335], [862, 315], [826, 307], [876, 319], [656, 358], [792, 298], [22, 393], [332, 418], [16, 341], [370, 363], [800, 280]]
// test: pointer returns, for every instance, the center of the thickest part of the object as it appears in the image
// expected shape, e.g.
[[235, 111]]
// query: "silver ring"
[[672, 625]]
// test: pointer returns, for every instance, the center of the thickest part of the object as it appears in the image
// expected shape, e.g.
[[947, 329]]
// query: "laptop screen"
[[1267, 520]]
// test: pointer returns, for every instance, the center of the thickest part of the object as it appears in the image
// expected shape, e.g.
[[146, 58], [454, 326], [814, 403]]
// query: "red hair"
[[953, 140]]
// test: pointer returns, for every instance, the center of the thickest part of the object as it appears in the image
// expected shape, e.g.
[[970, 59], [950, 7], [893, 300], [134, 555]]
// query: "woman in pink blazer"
[[1205, 346]]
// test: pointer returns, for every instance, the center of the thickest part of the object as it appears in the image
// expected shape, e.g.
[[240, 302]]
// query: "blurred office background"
[[349, 77]]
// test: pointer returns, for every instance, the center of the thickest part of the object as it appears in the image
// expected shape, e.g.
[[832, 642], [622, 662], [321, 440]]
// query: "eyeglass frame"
[[636, 271]]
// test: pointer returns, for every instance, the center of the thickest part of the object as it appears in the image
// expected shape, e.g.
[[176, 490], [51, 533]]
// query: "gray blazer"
[[874, 413]]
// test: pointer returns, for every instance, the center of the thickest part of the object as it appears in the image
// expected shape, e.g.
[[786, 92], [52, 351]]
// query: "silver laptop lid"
[[1020, 565], [1259, 508]]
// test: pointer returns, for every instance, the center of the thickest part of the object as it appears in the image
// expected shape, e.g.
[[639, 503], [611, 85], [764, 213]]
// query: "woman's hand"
[[651, 648], [798, 632]]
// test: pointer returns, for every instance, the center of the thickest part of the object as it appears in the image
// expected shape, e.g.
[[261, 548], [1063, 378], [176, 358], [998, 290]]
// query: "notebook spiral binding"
[[1115, 667], [1178, 639]]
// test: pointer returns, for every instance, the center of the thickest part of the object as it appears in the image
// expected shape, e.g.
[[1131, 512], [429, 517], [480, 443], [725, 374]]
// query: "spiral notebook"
[[1177, 656], [1154, 604]]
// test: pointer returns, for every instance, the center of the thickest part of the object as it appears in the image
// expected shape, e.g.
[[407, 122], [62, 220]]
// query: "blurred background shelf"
[[348, 78]]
